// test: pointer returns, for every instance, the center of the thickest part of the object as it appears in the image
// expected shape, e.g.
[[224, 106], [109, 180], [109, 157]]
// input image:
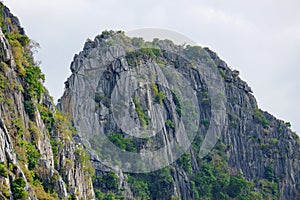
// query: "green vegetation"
[[185, 162], [236, 185], [30, 109], [28, 156], [34, 78], [5, 190], [26, 67], [41, 188], [18, 43], [138, 42], [18, 188], [177, 102], [144, 119], [241, 189], [269, 174], [269, 189], [25, 134], [134, 57], [161, 183], [3, 81], [28, 153], [140, 188], [2, 21], [47, 116], [169, 124], [84, 159], [159, 96], [63, 126], [233, 119], [15, 36], [195, 52], [6, 85], [269, 146], [108, 181], [288, 124], [259, 117], [123, 143], [108, 196], [205, 122], [55, 148], [18, 125], [33, 156], [154, 88], [215, 180], [222, 72], [3, 170], [99, 97], [154, 185]]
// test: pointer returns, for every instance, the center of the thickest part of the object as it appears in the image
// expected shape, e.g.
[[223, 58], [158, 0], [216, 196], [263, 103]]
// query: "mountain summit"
[[120, 83], [137, 120]]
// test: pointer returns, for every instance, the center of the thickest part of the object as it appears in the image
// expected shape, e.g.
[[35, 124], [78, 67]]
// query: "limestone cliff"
[[38, 158], [256, 155], [137, 120]]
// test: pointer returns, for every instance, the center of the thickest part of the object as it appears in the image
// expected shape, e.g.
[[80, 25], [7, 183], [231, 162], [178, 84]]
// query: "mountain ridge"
[[51, 154], [247, 125]]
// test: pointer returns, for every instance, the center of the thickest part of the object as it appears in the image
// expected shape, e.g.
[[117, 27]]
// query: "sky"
[[259, 38]]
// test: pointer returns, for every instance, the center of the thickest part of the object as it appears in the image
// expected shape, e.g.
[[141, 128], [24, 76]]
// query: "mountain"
[[137, 120], [256, 155], [38, 157]]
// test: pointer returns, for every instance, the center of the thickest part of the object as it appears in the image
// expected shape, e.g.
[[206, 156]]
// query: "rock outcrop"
[[252, 145], [137, 120], [38, 158]]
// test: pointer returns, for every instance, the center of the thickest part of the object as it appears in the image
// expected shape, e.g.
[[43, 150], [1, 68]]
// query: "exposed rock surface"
[[36, 145], [43, 153], [258, 146]]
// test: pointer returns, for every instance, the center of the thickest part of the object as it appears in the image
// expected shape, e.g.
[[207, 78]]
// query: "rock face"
[[38, 158], [146, 120], [252, 146]]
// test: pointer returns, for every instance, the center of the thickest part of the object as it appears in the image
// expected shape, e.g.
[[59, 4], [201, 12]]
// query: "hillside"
[[137, 120], [38, 158]]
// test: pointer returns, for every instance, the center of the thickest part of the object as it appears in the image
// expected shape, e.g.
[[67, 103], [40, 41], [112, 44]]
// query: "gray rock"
[[96, 70], [13, 116]]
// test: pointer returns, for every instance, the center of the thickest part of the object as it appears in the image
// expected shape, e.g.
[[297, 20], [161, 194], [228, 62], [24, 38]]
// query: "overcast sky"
[[260, 38]]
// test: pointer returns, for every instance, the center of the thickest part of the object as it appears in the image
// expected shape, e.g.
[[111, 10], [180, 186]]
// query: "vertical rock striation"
[[254, 144], [38, 158], [83, 149]]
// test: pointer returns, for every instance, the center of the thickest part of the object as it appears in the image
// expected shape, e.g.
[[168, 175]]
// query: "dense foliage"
[[18, 188]]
